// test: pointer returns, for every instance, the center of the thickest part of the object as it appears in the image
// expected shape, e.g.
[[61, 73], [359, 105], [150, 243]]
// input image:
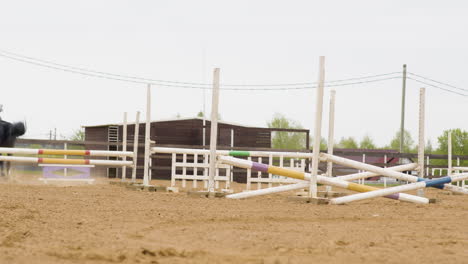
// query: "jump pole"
[[305, 184], [331, 131], [135, 145], [124, 145], [147, 136], [421, 143], [385, 172], [214, 131], [317, 129], [234, 153], [66, 161], [71, 152], [403, 188], [247, 164]]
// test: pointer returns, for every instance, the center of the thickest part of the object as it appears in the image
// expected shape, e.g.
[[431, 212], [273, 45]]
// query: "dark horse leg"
[[5, 168], [2, 166]]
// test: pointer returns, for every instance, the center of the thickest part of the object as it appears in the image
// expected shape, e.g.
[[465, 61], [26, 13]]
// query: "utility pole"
[[403, 95]]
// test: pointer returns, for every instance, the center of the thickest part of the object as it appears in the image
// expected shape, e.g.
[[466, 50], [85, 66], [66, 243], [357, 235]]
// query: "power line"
[[194, 87], [235, 87], [438, 87], [114, 76], [432, 80]]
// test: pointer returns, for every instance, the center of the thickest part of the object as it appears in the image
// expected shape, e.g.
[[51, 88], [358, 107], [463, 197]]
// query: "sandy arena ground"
[[105, 223]]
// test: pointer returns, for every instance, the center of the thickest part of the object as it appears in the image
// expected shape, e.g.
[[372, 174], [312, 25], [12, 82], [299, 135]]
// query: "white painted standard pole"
[[214, 130], [331, 131], [124, 145], [147, 136], [135, 146], [449, 143], [318, 128], [422, 106], [65, 170]]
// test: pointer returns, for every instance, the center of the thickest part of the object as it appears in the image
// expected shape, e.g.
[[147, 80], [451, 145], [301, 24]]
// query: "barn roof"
[[180, 119]]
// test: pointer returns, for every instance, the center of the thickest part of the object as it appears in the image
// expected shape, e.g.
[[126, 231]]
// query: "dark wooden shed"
[[179, 133]]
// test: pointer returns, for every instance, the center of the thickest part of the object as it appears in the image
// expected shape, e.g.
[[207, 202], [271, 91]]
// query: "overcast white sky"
[[252, 42]]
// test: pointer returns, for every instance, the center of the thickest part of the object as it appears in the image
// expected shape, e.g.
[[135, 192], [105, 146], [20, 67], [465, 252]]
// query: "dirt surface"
[[105, 223]]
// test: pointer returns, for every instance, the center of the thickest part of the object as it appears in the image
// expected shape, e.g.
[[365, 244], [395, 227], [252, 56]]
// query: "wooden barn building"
[[182, 132]]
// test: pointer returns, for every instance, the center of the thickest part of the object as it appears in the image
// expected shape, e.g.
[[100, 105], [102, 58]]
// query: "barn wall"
[[180, 132]]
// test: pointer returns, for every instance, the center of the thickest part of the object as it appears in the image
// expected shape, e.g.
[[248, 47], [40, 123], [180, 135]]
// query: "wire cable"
[[189, 86], [235, 87], [37, 61], [438, 87], [432, 80]]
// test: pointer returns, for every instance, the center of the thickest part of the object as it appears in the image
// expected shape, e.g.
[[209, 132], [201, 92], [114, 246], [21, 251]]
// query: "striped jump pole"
[[71, 152], [386, 172], [305, 184], [402, 188], [234, 153], [247, 164], [237, 153], [66, 161]]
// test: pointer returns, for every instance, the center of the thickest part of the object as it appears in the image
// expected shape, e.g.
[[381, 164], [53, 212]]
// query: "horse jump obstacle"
[[305, 177], [59, 162], [194, 154]]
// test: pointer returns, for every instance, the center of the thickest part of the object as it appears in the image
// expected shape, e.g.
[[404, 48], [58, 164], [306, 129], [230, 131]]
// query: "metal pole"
[[124, 145], [402, 126], [204, 97], [135, 146], [422, 106], [214, 131], [147, 136], [318, 128], [449, 143], [331, 131]]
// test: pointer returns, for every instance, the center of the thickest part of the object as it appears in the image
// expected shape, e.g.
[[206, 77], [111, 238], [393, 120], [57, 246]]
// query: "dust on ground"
[[103, 223]]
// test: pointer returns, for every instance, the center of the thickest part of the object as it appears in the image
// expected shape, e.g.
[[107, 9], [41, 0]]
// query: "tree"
[[286, 140], [407, 144], [459, 142], [323, 143], [348, 143], [367, 143], [201, 114], [78, 135], [429, 148]]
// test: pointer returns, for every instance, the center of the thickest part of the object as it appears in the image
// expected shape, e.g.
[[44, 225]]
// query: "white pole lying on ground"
[[365, 175], [135, 145], [214, 131], [305, 184], [397, 189], [317, 129], [124, 145], [385, 172], [247, 164], [147, 137]]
